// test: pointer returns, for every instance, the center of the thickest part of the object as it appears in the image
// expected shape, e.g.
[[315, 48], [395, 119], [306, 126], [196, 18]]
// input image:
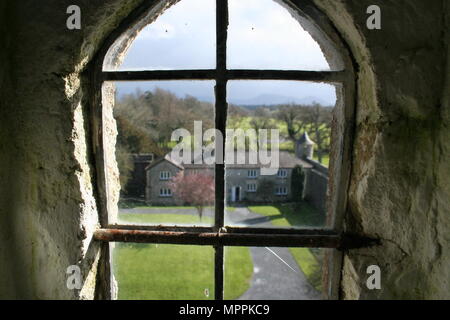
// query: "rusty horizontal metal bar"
[[212, 74], [229, 229], [220, 239]]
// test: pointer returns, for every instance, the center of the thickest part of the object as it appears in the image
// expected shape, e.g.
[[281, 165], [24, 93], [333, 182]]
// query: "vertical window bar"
[[221, 104], [220, 122], [218, 273]]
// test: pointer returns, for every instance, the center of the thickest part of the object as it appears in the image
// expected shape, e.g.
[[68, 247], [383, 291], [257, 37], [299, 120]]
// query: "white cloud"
[[262, 34]]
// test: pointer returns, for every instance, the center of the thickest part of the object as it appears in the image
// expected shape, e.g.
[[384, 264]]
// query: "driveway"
[[276, 275]]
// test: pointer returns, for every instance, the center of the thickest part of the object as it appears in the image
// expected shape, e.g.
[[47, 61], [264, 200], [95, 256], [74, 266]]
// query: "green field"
[[311, 265], [176, 272], [164, 218], [286, 215], [183, 272], [160, 272]]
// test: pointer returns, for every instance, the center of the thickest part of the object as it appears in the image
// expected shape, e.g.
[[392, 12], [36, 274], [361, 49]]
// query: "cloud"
[[262, 34], [157, 30]]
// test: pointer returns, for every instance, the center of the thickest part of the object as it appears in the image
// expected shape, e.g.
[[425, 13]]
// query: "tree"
[[196, 189], [125, 165], [297, 183], [293, 116], [319, 122], [261, 120], [265, 189]]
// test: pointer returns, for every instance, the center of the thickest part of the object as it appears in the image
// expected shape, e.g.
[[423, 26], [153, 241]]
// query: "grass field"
[[164, 218], [286, 215], [311, 265], [160, 272], [176, 272]]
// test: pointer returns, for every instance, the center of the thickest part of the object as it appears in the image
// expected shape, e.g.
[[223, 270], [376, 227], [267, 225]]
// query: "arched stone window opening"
[[106, 70]]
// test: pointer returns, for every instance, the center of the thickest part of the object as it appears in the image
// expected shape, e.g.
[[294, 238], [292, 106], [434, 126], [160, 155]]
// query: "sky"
[[261, 34]]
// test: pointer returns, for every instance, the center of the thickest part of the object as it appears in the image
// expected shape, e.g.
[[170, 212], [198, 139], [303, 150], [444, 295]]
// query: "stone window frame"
[[282, 173], [342, 76], [254, 187], [252, 173], [165, 192], [164, 175], [281, 191]]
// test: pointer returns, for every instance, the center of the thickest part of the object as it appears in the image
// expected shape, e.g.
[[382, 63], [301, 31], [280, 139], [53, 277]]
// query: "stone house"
[[244, 182]]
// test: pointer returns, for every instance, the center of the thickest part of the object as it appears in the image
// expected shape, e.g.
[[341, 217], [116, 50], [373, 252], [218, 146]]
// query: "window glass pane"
[[182, 37], [278, 144], [273, 273], [263, 34], [163, 272], [163, 181]]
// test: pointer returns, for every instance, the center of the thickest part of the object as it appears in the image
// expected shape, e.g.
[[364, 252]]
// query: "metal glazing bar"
[[218, 272], [228, 229], [220, 239], [222, 74], [159, 75], [300, 75], [220, 122]]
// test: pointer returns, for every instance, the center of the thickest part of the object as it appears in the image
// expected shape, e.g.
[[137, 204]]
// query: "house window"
[[164, 175], [282, 173], [251, 187], [165, 192], [229, 71], [252, 173], [281, 191]]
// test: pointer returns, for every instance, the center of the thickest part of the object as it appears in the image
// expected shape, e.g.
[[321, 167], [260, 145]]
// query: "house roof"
[[287, 160], [166, 158]]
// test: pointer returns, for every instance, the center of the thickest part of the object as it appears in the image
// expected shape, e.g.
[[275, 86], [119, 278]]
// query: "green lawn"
[[238, 271], [139, 205], [297, 214], [310, 265], [301, 214], [325, 159], [164, 218], [162, 272]]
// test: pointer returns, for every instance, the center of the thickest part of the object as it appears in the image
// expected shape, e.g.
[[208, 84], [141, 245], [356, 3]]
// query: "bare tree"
[[319, 123], [294, 118], [261, 120]]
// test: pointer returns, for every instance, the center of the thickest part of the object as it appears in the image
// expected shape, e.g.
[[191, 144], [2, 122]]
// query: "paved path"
[[276, 275]]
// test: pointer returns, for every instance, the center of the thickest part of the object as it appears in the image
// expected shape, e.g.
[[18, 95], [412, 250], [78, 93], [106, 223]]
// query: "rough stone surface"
[[47, 202], [400, 182]]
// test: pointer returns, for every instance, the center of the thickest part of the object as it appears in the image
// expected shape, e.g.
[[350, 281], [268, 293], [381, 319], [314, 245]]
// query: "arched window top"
[[233, 44], [262, 34]]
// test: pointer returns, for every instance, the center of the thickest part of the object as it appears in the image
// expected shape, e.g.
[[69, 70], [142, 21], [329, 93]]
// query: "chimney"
[[304, 147]]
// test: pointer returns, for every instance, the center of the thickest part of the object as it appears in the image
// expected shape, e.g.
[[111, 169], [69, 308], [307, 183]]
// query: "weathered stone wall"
[[316, 184], [400, 181], [399, 188], [47, 206]]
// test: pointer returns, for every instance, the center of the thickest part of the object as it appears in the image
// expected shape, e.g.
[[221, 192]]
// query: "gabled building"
[[243, 181]]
